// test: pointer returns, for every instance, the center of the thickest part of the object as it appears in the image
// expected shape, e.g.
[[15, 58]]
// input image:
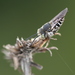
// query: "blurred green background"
[[22, 18]]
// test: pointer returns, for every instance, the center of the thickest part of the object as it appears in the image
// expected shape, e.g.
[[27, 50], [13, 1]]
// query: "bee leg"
[[53, 38], [58, 34], [47, 44], [36, 65]]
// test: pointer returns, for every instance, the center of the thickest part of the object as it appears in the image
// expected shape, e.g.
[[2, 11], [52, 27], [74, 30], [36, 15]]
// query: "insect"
[[21, 54], [50, 28]]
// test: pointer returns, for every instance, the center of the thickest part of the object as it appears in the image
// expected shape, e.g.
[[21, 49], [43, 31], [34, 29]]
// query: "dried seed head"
[[17, 52]]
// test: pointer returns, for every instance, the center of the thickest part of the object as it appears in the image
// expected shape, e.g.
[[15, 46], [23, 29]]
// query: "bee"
[[51, 28]]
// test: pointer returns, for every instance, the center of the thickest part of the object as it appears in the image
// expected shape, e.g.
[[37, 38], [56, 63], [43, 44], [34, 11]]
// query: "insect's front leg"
[[53, 38], [58, 34]]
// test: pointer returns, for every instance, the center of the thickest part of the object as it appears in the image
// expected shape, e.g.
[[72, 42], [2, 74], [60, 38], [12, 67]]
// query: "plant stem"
[[26, 65]]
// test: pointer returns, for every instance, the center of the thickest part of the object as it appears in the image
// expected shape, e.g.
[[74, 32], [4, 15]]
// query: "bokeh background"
[[22, 18]]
